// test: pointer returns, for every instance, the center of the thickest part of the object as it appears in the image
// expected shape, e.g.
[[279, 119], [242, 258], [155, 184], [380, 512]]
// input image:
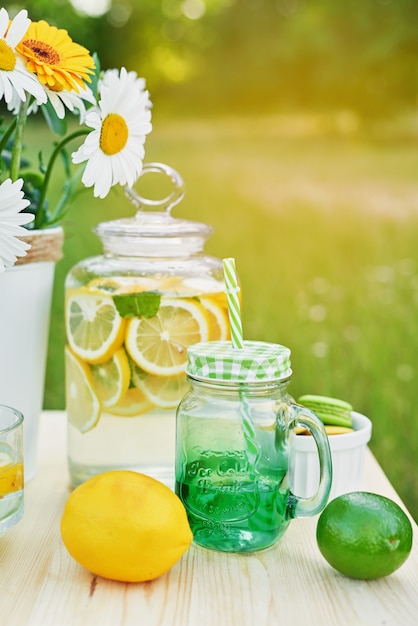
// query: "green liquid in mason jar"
[[230, 510]]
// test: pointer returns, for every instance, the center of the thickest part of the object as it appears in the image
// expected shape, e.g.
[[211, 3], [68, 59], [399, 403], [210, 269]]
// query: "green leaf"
[[143, 304], [32, 188]]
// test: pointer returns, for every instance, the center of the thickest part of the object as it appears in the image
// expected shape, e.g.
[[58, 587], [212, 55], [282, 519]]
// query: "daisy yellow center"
[[43, 51], [114, 134], [7, 58]]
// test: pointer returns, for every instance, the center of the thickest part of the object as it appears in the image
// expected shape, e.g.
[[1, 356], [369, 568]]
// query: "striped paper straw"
[[234, 310], [253, 447]]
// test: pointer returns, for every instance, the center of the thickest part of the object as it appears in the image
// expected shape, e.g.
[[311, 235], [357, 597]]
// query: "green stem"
[[18, 140], [41, 215], [7, 135]]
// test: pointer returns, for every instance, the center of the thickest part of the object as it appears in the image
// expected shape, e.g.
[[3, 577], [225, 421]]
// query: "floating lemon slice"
[[159, 344], [11, 478], [217, 318], [163, 391], [11, 473], [133, 404], [83, 406], [111, 378], [95, 330]]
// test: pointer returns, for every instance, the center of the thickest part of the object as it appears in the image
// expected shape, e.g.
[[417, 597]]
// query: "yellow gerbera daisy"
[[59, 63]]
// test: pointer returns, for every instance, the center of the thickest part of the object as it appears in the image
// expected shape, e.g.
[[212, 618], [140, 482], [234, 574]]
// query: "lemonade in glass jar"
[[130, 315]]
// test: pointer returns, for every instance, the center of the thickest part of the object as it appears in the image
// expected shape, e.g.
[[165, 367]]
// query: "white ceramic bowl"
[[347, 453]]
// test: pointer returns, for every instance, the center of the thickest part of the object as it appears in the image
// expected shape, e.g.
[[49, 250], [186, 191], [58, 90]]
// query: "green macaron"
[[331, 411]]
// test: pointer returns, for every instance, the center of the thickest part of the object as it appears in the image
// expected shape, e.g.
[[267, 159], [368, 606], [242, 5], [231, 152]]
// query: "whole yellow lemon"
[[125, 526]]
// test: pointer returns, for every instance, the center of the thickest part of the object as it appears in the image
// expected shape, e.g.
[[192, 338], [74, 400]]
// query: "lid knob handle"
[[163, 204]]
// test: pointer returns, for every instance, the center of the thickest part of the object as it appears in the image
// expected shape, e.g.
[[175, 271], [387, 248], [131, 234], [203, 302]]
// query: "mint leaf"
[[143, 304]]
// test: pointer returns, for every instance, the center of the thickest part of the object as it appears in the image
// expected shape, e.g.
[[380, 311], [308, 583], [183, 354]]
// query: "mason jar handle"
[[305, 507], [164, 204]]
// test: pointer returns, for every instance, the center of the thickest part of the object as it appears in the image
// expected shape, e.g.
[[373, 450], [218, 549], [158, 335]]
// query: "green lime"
[[364, 535]]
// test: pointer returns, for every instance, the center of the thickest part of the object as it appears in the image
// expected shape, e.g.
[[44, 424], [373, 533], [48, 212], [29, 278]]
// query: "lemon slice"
[[111, 378], [133, 404], [83, 406], [217, 317], [159, 344], [11, 478], [95, 330], [163, 391]]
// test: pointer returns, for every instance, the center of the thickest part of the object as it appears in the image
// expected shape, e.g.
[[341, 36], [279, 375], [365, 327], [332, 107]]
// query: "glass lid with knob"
[[152, 231]]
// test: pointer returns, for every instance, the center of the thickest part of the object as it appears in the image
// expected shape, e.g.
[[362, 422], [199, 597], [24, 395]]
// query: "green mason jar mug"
[[234, 433]]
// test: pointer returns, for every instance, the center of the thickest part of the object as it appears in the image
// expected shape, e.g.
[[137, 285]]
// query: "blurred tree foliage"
[[246, 55]]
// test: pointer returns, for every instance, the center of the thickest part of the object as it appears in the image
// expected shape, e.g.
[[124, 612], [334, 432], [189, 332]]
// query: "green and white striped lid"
[[256, 361]]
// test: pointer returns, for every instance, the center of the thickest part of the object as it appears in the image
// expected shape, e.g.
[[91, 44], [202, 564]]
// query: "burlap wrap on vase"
[[25, 306], [46, 245]]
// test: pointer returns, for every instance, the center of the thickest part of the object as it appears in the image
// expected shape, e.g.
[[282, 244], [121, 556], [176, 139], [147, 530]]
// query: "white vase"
[[25, 305]]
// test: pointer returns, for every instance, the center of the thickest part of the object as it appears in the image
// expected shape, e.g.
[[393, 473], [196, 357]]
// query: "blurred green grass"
[[324, 228]]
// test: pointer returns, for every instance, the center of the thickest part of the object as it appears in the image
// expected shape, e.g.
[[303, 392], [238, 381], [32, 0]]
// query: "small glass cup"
[[11, 467]]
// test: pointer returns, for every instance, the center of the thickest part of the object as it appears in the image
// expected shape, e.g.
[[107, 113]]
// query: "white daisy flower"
[[11, 220], [15, 79], [139, 82], [114, 150]]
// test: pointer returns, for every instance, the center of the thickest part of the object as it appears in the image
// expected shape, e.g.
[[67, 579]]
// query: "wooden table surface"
[[287, 584]]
